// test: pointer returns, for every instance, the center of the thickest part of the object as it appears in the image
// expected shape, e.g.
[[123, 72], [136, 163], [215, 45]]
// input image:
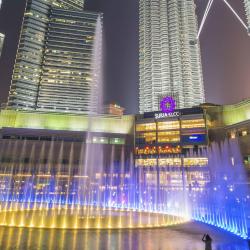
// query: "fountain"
[[53, 192], [50, 189], [225, 202]]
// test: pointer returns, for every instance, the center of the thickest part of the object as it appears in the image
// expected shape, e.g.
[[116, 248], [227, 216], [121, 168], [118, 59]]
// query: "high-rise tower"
[[53, 69], [1, 42], [1, 35], [170, 63], [247, 8]]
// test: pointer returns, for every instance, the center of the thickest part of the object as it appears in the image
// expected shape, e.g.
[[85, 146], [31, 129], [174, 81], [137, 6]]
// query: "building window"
[[146, 162], [146, 138], [169, 136], [100, 140], [117, 141], [169, 162], [244, 133], [195, 162], [247, 161], [198, 123], [146, 127], [168, 125], [232, 135]]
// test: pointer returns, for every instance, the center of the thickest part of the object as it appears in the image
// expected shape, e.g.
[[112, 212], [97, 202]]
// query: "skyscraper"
[[1, 42], [53, 69], [170, 63], [247, 9]]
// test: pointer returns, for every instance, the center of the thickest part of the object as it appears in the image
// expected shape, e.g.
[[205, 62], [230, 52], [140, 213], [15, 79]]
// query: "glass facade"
[[66, 80], [170, 63], [53, 64]]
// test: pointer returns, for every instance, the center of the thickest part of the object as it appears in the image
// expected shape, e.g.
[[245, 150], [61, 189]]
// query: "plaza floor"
[[181, 237]]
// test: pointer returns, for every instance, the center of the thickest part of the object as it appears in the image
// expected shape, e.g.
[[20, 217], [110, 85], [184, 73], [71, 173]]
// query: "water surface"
[[182, 237]]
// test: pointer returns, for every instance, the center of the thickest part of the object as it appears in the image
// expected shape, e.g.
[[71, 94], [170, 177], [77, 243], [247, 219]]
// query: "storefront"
[[170, 148]]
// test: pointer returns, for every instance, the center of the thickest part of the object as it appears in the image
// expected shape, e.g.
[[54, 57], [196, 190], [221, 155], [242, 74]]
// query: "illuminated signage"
[[175, 113], [194, 139], [167, 104], [165, 115]]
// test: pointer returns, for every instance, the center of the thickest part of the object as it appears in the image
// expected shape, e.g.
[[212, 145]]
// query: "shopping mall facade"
[[156, 139]]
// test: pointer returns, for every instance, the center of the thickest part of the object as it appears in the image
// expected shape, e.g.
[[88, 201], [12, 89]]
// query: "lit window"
[[169, 162], [232, 135], [149, 137], [168, 125], [146, 162], [195, 161], [100, 140], [244, 133], [146, 127], [169, 136], [198, 123], [118, 141]]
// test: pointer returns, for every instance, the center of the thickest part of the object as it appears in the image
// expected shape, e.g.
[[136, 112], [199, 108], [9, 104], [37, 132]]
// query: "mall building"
[[170, 148], [166, 148]]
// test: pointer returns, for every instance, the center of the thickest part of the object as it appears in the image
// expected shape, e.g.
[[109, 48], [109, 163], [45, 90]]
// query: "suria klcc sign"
[[167, 106]]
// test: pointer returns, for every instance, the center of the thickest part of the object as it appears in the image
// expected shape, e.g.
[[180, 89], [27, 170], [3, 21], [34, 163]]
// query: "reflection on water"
[[185, 237]]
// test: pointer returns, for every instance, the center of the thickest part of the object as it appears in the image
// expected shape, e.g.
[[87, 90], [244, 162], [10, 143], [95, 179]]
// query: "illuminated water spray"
[[54, 193]]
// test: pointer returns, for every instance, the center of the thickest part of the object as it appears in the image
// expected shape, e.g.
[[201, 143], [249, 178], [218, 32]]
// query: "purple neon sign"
[[168, 104]]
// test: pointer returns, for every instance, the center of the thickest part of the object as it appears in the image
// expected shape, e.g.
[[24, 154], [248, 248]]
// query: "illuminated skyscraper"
[[53, 70], [1, 35], [247, 8], [1, 42], [170, 63]]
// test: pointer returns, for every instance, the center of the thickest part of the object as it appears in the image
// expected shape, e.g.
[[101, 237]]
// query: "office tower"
[[1, 42], [247, 9], [53, 69], [170, 63]]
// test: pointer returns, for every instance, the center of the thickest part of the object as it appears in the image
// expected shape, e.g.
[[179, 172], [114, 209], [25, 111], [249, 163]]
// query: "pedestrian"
[[208, 241]]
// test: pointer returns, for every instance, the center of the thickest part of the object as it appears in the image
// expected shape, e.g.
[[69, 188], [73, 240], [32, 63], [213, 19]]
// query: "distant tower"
[[1, 42], [1, 35], [170, 63], [247, 8], [53, 69]]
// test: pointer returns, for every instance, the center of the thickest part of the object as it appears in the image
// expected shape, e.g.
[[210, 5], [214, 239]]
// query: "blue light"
[[194, 139]]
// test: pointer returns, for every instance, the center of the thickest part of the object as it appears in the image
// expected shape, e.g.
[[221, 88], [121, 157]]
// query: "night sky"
[[225, 49]]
